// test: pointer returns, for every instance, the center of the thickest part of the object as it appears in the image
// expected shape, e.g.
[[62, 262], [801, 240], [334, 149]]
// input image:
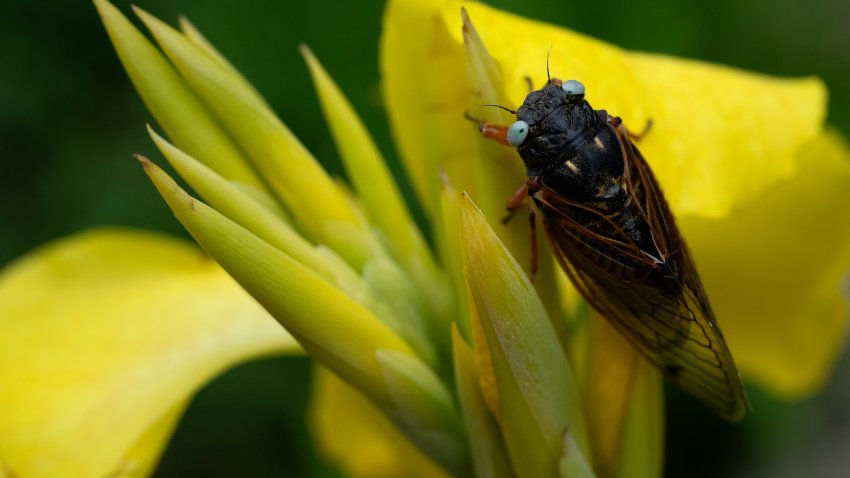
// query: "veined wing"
[[658, 303]]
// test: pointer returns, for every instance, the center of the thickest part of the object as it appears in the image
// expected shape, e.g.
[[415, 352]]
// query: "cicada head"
[[564, 141]]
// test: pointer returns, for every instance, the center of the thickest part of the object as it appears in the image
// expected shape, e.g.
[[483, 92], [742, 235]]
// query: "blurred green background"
[[69, 121]]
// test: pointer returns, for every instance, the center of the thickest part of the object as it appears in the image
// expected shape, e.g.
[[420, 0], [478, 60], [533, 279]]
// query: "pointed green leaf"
[[377, 190], [389, 293], [239, 207], [333, 328], [499, 167], [490, 458], [199, 40], [538, 392], [289, 169], [424, 409], [365, 165], [448, 238], [186, 120]]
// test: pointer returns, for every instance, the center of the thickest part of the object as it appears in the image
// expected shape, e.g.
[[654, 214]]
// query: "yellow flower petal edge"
[[612, 366], [354, 435], [104, 334], [497, 168], [784, 316], [143, 458]]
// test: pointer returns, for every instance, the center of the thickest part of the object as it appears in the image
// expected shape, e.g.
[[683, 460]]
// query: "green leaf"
[[424, 409], [332, 327], [490, 458], [185, 119], [380, 195], [290, 170], [231, 201], [538, 393]]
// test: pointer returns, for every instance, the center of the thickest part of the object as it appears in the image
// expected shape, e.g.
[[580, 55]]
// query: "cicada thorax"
[[574, 151]]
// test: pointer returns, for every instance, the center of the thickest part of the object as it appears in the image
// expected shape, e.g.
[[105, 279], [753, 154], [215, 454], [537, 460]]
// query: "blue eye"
[[517, 133], [573, 87]]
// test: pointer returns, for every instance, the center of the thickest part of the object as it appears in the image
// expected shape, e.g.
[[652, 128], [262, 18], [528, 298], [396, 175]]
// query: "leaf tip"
[[146, 163], [306, 52]]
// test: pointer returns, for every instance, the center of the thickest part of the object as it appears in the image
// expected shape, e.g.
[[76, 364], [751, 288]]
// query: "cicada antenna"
[[502, 107], [548, 76]]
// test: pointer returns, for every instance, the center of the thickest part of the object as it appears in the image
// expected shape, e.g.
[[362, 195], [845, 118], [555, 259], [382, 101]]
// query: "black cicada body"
[[613, 233]]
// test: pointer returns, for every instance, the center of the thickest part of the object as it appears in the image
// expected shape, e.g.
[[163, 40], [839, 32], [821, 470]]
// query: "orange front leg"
[[496, 132]]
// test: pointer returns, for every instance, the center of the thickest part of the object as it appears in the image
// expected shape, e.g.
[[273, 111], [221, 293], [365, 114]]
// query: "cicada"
[[612, 231]]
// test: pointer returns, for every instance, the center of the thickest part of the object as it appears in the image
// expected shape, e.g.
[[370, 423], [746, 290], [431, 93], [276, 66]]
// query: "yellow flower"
[[439, 361]]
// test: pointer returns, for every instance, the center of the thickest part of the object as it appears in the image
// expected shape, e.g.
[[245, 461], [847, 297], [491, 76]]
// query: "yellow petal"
[[426, 92], [142, 459], [612, 366], [358, 438], [720, 136], [102, 337], [626, 406], [773, 271]]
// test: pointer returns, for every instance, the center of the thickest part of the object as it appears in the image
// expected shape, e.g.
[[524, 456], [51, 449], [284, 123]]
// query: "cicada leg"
[[617, 123], [529, 82], [533, 230], [515, 203], [496, 132]]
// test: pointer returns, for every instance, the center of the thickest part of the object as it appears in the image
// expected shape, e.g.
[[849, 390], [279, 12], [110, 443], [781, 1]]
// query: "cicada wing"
[[663, 314]]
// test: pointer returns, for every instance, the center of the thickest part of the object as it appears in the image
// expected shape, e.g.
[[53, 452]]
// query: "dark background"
[[69, 121]]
